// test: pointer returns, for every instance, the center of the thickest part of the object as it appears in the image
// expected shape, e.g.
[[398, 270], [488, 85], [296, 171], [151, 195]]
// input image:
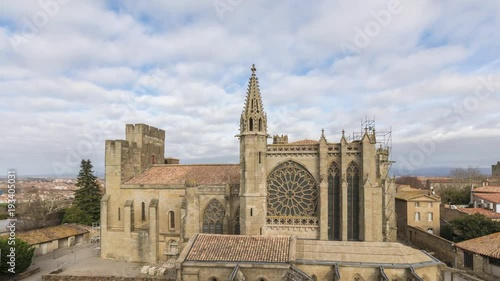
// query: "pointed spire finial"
[[343, 131], [253, 69], [322, 132]]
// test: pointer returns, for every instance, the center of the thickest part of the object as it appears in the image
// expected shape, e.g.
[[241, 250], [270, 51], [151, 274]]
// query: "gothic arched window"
[[260, 124], [250, 122], [213, 217], [334, 202], [291, 191], [353, 201], [143, 211], [171, 220]]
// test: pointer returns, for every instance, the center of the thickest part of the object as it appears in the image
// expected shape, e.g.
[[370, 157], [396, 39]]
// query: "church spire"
[[253, 118]]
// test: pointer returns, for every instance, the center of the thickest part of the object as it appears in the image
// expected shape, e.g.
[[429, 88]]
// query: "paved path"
[[61, 258]]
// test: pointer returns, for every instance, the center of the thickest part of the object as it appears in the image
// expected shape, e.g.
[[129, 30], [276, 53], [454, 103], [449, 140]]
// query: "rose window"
[[291, 191]]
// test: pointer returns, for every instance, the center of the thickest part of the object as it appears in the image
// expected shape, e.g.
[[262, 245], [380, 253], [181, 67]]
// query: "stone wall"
[[481, 266], [439, 247], [55, 277], [449, 214]]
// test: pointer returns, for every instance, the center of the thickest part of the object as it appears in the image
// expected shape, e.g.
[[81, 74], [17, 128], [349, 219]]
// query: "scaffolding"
[[383, 142], [383, 139]]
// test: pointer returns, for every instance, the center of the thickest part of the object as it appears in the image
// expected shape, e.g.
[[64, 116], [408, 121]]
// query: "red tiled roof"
[[179, 174], [408, 194], [47, 234], [492, 197], [240, 248], [487, 189], [488, 213], [488, 245]]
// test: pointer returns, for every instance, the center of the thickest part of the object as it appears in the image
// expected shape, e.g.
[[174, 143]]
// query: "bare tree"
[[467, 176], [37, 210]]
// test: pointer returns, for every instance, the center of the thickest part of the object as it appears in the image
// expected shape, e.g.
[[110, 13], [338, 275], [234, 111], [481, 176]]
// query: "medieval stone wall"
[[443, 249]]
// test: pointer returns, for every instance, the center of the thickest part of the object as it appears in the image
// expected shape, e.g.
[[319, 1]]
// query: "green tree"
[[447, 232], [86, 208], [473, 226], [454, 196], [23, 256]]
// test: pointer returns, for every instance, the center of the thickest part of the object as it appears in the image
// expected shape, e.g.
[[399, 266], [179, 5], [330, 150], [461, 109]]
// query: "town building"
[[417, 208], [480, 256], [487, 197], [48, 239]]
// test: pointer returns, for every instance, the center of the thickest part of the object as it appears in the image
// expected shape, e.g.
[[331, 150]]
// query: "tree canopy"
[[455, 196], [473, 226], [467, 175], [23, 256], [86, 208]]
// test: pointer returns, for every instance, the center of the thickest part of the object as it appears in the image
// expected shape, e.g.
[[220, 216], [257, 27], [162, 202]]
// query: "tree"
[[86, 208], [37, 212], [411, 181], [473, 226], [23, 254], [454, 196], [467, 176]]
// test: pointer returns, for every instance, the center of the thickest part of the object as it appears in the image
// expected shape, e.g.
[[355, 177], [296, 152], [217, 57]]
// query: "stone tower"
[[495, 170], [253, 143]]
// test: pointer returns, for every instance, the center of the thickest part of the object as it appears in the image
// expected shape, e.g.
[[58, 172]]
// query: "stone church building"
[[301, 210]]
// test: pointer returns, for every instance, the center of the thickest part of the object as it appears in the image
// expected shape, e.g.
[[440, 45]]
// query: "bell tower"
[[253, 143]]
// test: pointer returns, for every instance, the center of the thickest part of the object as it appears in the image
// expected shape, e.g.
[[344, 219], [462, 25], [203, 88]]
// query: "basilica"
[[289, 210]]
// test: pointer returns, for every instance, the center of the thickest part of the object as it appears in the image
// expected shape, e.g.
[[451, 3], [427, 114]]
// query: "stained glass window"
[[353, 201], [291, 191], [213, 217], [334, 219]]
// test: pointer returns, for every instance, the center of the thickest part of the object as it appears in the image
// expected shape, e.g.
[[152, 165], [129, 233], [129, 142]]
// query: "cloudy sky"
[[73, 73]]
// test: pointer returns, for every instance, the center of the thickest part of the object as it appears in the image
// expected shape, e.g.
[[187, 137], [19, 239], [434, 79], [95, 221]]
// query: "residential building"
[[487, 197], [417, 208], [480, 256]]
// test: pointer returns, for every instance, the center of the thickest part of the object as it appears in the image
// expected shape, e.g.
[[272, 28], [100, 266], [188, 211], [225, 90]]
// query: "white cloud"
[[178, 65]]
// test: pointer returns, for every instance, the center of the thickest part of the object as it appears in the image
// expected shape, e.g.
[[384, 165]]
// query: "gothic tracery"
[[213, 217], [292, 191]]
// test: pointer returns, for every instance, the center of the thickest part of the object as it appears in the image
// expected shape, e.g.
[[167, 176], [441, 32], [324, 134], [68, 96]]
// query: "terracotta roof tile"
[[212, 247], [415, 193], [488, 213], [492, 197], [488, 245], [179, 174], [47, 234], [487, 189]]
